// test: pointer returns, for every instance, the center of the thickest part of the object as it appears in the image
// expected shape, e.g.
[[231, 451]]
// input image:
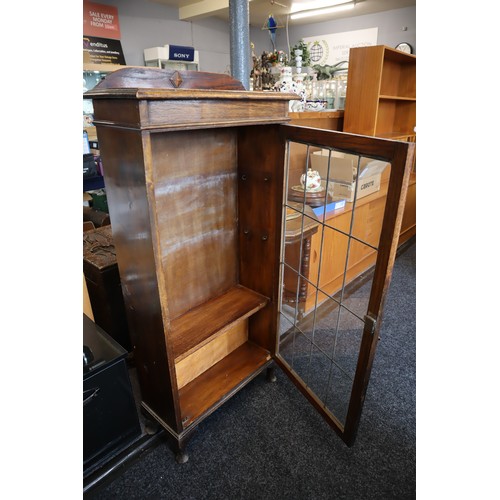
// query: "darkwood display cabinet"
[[195, 180]]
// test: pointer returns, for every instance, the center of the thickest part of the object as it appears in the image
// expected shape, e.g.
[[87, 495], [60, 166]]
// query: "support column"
[[240, 41]]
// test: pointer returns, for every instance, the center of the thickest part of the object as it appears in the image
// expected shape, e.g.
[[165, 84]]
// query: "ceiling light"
[[302, 5], [319, 12]]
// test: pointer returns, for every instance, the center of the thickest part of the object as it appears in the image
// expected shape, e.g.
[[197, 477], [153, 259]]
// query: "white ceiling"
[[189, 10]]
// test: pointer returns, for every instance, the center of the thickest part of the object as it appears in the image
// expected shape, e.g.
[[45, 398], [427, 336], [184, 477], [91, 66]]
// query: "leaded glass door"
[[339, 242]]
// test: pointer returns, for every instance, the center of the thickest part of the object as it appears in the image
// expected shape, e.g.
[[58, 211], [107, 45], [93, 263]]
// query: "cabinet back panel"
[[194, 176], [396, 117], [398, 80]]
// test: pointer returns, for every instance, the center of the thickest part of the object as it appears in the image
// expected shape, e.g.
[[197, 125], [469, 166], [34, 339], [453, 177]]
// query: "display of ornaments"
[[287, 84]]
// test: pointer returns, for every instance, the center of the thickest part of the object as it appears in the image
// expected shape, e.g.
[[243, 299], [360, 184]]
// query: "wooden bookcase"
[[381, 101], [381, 94], [195, 181]]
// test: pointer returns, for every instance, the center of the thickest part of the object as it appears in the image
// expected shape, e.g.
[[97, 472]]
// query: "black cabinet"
[[110, 418]]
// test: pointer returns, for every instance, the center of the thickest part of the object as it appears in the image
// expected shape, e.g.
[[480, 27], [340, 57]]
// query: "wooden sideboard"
[[327, 119]]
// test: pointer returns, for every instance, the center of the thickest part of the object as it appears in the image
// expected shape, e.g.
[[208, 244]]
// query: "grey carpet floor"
[[267, 442]]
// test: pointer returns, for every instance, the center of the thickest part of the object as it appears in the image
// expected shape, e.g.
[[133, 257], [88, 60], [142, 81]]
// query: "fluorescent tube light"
[[303, 5], [319, 12]]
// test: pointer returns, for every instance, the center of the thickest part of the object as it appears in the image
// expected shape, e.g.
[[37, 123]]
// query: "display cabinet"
[[196, 178]]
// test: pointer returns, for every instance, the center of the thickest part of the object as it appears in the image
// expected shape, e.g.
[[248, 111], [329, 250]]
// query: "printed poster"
[[101, 34], [334, 48]]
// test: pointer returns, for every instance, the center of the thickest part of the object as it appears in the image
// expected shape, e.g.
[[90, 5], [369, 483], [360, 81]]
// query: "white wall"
[[389, 24], [146, 24]]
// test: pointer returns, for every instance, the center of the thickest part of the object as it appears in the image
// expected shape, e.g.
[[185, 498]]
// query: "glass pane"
[[294, 226], [338, 393], [368, 211], [355, 294], [318, 368], [328, 255], [290, 295], [348, 335]]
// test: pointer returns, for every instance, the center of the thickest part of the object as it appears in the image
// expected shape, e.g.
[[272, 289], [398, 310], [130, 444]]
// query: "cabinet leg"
[[151, 426], [178, 446], [181, 457], [271, 374]]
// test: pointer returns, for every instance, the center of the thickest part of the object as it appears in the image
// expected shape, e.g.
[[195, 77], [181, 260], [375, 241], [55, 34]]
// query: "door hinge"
[[371, 322]]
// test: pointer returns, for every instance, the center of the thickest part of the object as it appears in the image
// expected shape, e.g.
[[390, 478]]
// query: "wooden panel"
[[260, 195], [126, 189], [330, 120], [152, 97], [409, 223], [395, 117], [390, 81], [196, 328], [398, 80], [408, 80], [399, 75], [207, 112], [155, 78], [194, 176], [362, 93], [212, 388], [189, 367], [406, 117]]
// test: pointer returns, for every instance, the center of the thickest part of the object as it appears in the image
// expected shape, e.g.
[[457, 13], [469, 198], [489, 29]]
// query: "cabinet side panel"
[[260, 182], [363, 88], [123, 157], [194, 176]]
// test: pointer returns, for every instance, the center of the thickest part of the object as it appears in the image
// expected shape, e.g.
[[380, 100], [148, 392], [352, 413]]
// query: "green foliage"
[[306, 57]]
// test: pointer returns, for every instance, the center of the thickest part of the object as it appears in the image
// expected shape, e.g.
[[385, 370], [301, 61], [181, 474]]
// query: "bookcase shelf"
[[208, 391], [205, 335], [194, 329]]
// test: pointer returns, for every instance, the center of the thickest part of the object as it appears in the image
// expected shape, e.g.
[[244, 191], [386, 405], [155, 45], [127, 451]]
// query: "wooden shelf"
[[193, 330], [397, 98], [208, 391]]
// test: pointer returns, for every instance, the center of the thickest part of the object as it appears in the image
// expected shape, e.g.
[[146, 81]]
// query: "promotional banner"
[[334, 48], [100, 21], [101, 34], [103, 50]]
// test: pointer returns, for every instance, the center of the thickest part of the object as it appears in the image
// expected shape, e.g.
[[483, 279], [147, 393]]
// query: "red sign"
[[100, 21]]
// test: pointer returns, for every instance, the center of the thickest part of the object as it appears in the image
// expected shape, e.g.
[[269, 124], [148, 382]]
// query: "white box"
[[343, 170]]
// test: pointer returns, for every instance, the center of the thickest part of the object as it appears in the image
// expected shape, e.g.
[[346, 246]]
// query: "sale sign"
[[100, 21]]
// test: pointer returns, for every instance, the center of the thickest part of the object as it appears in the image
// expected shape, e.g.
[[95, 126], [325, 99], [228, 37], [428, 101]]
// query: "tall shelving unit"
[[381, 101]]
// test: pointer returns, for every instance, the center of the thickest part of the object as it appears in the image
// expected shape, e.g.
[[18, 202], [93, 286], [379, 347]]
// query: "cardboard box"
[[343, 170]]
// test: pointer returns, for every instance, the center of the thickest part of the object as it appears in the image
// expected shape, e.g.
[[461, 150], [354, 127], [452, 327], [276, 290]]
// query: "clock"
[[405, 47]]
